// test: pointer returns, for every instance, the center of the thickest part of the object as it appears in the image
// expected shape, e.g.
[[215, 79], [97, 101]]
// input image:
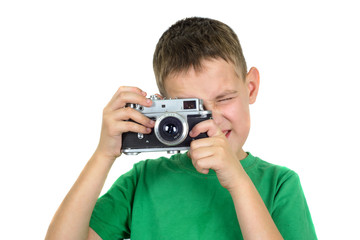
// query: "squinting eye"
[[225, 99]]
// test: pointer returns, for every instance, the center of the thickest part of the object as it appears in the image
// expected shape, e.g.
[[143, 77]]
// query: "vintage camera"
[[174, 118]]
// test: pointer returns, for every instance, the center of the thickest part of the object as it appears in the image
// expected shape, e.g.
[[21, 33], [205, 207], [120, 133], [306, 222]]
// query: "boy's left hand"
[[215, 153]]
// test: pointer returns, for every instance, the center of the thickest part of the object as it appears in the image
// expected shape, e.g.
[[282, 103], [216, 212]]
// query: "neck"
[[241, 155]]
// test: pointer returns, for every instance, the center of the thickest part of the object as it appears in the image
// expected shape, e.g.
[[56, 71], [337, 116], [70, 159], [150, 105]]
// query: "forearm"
[[71, 221], [253, 216]]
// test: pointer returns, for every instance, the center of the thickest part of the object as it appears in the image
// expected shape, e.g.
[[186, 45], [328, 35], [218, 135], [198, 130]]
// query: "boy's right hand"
[[115, 116]]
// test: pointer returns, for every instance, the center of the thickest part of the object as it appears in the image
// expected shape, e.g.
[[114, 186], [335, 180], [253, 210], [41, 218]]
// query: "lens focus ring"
[[171, 129]]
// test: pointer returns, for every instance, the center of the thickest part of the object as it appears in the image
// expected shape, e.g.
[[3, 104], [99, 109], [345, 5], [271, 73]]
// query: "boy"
[[214, 191]]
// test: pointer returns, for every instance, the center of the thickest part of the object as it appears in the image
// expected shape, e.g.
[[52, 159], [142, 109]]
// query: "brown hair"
[[189, 41]]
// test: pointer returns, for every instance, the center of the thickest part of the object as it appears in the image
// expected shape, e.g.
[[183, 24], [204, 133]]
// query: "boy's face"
[[224, 93]]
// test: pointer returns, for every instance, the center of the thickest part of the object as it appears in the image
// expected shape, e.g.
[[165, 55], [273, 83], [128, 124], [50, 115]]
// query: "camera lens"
[[171, 129]]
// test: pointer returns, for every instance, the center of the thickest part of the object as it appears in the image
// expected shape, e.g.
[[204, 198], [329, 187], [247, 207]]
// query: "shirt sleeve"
[[111, 217], [291, 213]]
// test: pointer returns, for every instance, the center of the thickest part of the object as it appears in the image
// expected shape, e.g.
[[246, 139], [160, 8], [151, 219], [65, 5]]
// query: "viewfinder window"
[[189, 104]]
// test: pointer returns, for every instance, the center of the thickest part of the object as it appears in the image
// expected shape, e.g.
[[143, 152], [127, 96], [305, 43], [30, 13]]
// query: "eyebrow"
[[221, 95], [225, 93]]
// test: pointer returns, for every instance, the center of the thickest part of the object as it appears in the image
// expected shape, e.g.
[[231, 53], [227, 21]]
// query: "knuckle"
[[194, 154], [121, 95], [107, 109], [111, 129], [106, 116], [128, 113], [138, 117], [193, 144], [137, 89], [134, 127], [128, 110], [196, 165], [141, 128], [201, 164], [130, 126], [120, 90], [193, 161]]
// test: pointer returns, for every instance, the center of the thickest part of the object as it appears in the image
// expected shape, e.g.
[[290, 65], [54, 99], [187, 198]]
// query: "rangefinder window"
[[189, 104]]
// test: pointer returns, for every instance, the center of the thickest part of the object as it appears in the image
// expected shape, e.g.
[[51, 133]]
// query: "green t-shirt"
[[166, 198]]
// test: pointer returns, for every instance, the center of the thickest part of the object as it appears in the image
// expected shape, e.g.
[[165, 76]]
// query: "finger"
[[208, 127], [129, 89], [202, 142], [204, 164], [128, 97], [122, 127], [201, 152], [159, 96], [130, 113]]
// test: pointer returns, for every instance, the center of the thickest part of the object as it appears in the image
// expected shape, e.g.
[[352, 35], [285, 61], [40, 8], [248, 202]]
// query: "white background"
[[61, 62]]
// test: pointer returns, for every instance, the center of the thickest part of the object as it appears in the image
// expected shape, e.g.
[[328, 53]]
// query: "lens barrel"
[[171, 129]]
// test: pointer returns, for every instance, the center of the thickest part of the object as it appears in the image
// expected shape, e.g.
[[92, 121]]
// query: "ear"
[[253, 83]]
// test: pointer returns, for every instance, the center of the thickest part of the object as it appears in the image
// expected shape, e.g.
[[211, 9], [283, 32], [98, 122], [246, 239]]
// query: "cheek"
[[237, 113], [240, 123]]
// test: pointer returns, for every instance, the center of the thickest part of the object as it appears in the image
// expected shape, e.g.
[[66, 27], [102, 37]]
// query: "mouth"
[[227, 133]]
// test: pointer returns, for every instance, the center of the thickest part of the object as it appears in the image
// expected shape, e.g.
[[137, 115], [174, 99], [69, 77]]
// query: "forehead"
[[215, 77]]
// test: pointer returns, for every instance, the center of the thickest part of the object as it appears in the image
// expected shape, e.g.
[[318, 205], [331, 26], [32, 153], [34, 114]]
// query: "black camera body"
[[174, 119]]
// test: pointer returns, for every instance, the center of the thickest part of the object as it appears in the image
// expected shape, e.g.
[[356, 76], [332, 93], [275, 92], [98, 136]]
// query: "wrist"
[[240, 180], [104, 157]]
